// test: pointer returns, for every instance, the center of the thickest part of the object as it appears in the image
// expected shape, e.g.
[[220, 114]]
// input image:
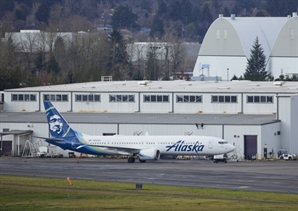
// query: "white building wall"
[[234, 134], [294, 125], [175, 130], [118, 107], [282, 65], [287, 113], [223, 66], [21, 106], [270, 137], [221, 108], [207, 106], [156, 107], [259, 108], [87, 107], [61, 106]]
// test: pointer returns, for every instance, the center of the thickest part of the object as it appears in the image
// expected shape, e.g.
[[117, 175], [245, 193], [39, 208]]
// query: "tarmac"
[[267, 176]]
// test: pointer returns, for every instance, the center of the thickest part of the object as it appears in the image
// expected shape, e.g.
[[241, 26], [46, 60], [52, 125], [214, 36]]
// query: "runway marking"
[[243, 187]]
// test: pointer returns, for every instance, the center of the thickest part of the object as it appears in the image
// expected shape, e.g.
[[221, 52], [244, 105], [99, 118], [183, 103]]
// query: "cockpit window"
[[223, 142]]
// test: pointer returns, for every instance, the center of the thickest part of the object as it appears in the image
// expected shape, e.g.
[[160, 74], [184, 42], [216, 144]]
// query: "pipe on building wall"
[[71, 104], [242, 102], [223, 131], [139, 102], [277, 107]]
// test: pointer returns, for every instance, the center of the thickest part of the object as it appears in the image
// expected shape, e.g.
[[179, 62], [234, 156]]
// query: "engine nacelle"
[[149, 154]]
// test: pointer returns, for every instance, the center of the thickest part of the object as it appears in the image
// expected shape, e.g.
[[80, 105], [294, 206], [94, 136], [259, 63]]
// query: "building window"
[[188, 98], [26, 97], [52, 98], [225, 34], [87, 98], [259, 99], [23, 97], [55, 97], [58, 97], [224, 99], [218, 34], [97, 98], [14, 97], [156, 98], [122, 98]]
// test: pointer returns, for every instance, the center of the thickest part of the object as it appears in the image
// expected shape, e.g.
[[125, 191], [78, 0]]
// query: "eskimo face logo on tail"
[[56, 124], [179, 146]]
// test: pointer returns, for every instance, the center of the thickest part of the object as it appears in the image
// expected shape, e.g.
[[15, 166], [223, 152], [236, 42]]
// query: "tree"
[[39, 62], [118, 65], [69, 78], [157, 28], [124, 17], [43, 13], [255, 69], [226, 12], [152, 72], [52, 65]]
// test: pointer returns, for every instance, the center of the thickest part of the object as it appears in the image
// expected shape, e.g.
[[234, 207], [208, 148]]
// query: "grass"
[[29, 193]]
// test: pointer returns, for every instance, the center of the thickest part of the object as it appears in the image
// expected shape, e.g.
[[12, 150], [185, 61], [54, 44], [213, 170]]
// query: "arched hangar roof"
[[234, 36]]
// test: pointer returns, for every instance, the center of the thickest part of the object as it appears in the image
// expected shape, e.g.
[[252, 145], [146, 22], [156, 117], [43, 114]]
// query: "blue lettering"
[[195, 147], [183, 149], [200, 148], [173, 146], [189, 148], [179, 146]]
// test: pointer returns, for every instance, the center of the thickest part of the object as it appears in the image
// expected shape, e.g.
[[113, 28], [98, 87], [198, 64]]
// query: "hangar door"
[[250, 146], [6, 148]]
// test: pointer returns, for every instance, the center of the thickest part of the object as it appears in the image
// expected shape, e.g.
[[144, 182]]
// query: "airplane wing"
[[51, 139], [119, 149]]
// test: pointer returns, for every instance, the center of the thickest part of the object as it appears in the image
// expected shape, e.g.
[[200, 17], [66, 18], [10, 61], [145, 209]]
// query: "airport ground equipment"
[[220, 158], [284, 155]]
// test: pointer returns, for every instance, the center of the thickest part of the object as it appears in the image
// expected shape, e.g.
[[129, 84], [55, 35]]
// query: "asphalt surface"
[[268, 176]]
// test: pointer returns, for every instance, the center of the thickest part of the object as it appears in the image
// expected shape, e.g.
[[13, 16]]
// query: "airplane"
[[146, 147]]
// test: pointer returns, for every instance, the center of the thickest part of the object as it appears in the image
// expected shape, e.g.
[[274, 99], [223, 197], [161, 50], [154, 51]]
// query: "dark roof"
[[16, 132], [141, 118]]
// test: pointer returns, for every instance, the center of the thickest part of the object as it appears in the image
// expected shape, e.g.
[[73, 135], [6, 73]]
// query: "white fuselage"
[[167, 145]]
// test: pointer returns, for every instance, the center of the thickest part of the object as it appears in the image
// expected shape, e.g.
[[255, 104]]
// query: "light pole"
[[227, 74]]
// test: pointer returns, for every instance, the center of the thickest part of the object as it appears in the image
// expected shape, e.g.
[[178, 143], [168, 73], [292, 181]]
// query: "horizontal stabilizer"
[[51, 139]]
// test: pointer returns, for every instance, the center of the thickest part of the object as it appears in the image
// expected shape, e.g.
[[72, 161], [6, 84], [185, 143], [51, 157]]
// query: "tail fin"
[[58, 126]]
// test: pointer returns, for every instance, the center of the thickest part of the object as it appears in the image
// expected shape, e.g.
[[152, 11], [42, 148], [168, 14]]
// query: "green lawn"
[[29, 193]]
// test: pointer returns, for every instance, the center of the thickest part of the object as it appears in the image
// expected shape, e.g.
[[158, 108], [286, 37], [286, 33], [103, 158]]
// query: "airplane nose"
[[232, 148]]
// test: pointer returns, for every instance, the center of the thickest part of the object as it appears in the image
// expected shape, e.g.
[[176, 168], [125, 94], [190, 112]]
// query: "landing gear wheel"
[[142, 161], [131, 160]]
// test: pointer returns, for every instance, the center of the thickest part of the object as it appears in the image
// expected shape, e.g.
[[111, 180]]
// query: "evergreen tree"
[[151, 66], [118, 58], [255, 69], [43, 13], [52, 65], [39, 62], [162, 8], [124, 17], [157, 28], [226, 12]]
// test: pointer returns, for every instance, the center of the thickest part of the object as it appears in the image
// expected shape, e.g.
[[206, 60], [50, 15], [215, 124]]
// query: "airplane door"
[[210, 144]]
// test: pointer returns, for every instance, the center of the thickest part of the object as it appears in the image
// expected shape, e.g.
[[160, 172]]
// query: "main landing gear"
[[131, 160]]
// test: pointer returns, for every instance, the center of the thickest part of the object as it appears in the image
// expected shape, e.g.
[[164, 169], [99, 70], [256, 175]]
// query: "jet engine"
[[149, 154]]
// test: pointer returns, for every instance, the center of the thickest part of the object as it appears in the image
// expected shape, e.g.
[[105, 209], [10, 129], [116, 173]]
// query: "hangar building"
[[251, 115], [228, 42]]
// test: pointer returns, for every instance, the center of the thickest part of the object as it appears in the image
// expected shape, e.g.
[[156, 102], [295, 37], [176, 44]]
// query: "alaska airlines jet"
[[146, 147]]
